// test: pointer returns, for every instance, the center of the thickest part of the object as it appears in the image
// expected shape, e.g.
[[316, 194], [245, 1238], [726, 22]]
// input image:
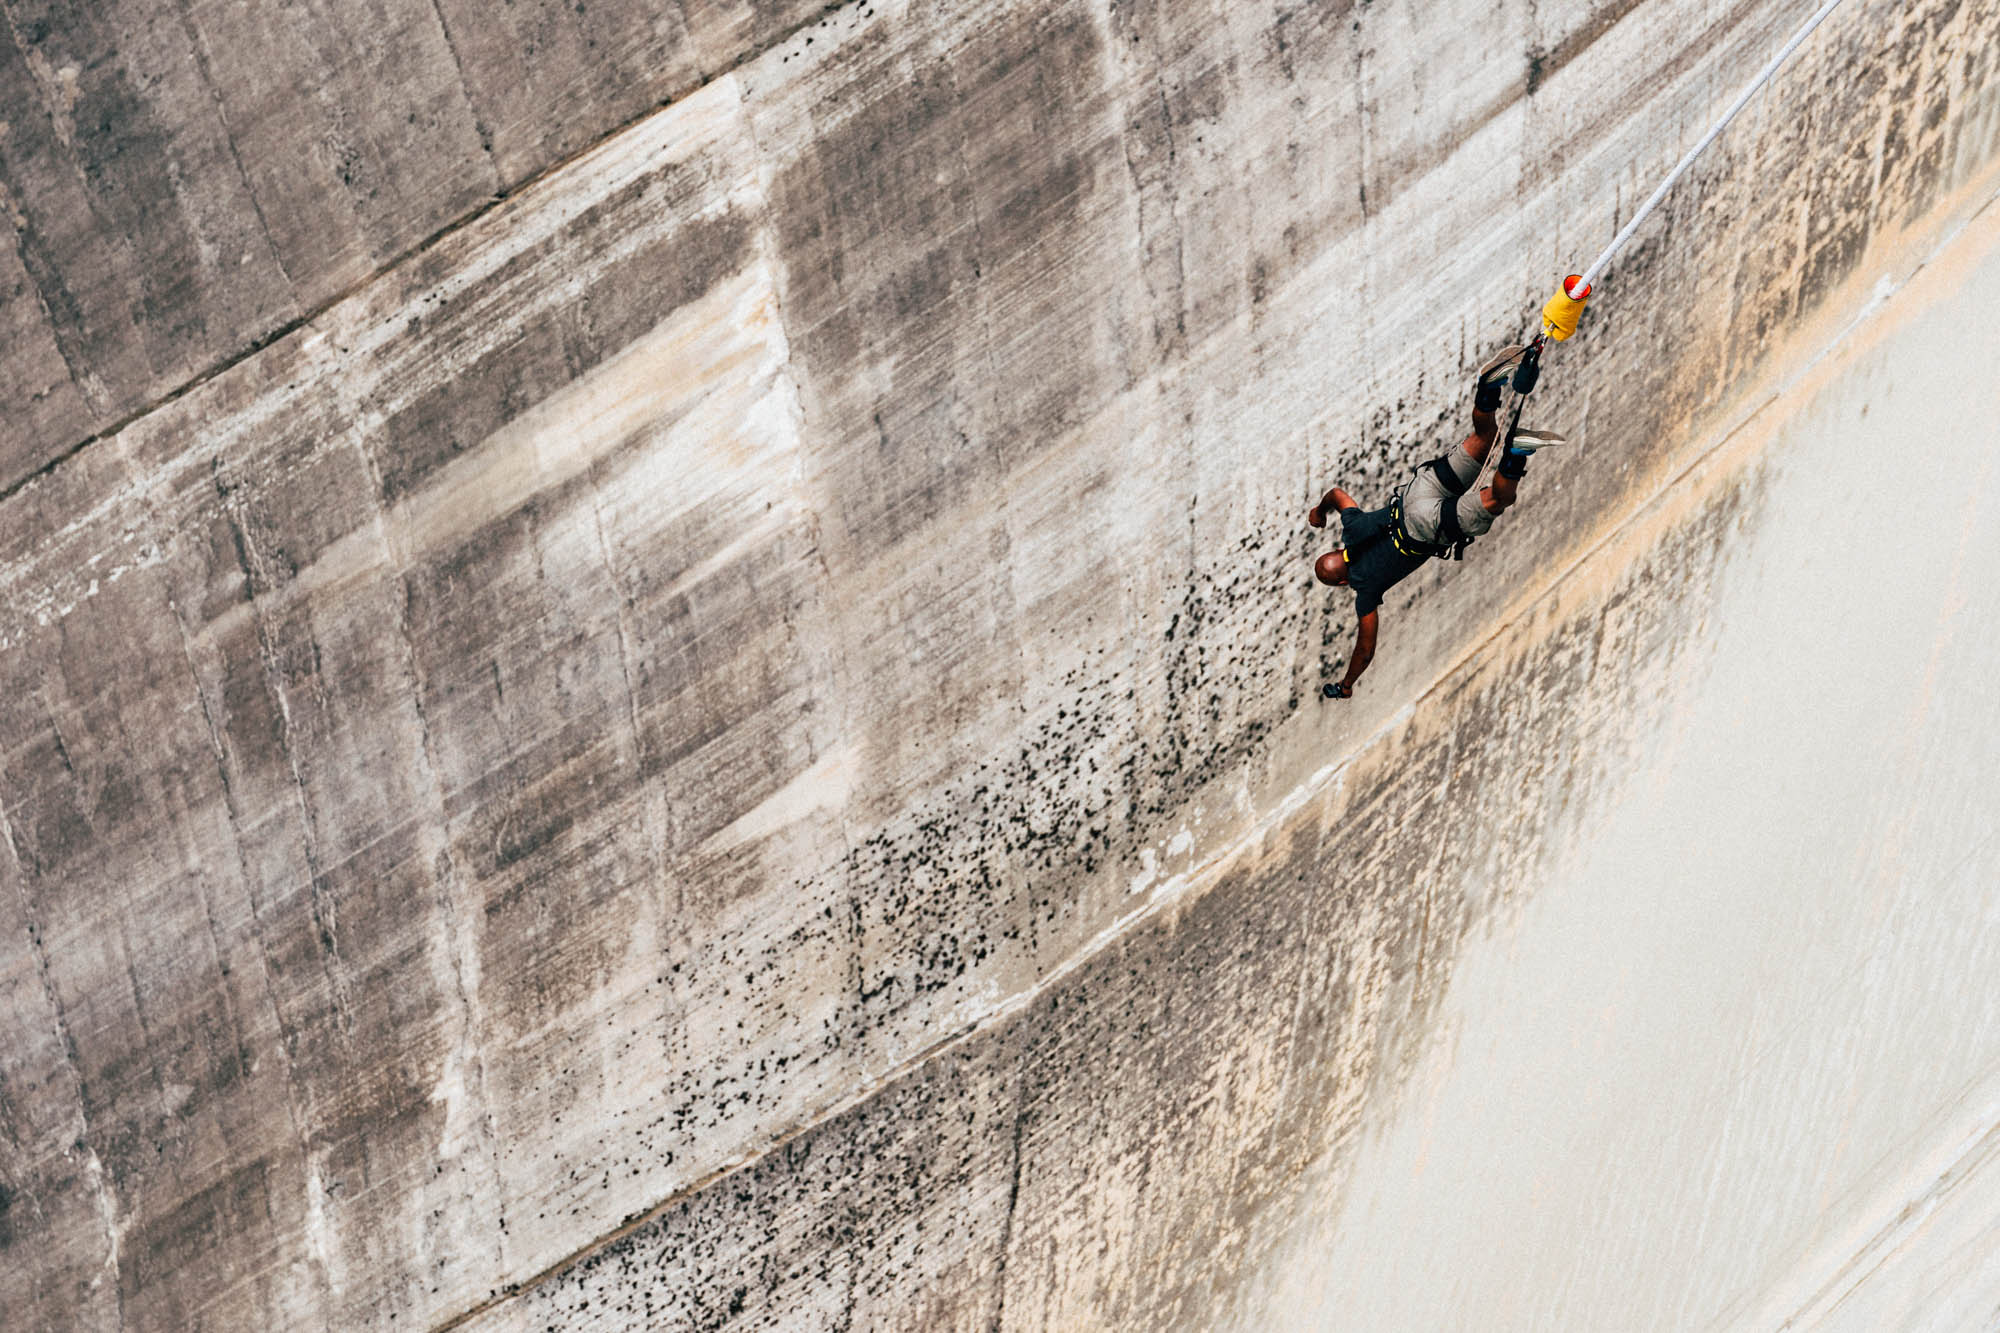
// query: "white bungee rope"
[[1687, 159], [1565, 308]]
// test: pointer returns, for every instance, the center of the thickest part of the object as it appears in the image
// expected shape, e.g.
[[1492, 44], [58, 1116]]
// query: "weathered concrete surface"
[[187, 179], [632, 684]]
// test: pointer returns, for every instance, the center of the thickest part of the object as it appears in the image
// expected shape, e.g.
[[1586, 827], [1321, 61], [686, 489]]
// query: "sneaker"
[[1527, 441], [1500, 365]]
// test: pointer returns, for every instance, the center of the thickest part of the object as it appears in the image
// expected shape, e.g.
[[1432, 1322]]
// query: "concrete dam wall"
[[659, 660]]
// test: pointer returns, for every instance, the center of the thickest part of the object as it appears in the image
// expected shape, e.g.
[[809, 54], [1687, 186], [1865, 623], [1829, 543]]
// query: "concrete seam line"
[[417, 248], [1173, 891]]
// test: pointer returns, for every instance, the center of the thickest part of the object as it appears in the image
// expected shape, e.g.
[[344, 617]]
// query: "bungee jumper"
[[1437, 512]]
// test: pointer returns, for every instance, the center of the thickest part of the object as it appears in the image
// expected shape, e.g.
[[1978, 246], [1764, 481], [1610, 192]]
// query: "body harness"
[[1451, 535], [1451, 538]]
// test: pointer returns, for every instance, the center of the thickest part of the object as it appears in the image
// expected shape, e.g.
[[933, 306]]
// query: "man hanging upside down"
[[1435, 513]]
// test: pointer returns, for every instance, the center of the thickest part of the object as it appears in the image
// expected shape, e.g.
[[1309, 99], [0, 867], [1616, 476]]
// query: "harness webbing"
[[1451, 536]]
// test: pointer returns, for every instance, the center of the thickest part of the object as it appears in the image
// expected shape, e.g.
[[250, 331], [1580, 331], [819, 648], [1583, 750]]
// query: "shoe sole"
[[1505, 359], [1539, 439]]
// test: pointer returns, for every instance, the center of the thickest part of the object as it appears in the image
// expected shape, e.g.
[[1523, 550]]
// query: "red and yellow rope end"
[[1565, 308]]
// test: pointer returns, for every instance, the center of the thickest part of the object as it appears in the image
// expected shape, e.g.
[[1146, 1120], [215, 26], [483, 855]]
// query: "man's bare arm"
[[1332, 502], [1364, 653]]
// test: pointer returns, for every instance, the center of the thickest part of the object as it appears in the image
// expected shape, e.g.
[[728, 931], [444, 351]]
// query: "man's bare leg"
[[1500, 496], [1484, 431], [1493, 377]]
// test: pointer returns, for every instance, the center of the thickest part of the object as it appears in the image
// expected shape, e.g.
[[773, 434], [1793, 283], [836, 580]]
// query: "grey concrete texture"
[[718, 734], [186, 181]]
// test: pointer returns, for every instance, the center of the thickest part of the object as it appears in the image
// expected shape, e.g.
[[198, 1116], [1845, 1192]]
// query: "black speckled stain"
[[937, 896]]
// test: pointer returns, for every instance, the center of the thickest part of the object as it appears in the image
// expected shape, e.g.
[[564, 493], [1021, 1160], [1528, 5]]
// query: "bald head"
[[1331, 569]]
